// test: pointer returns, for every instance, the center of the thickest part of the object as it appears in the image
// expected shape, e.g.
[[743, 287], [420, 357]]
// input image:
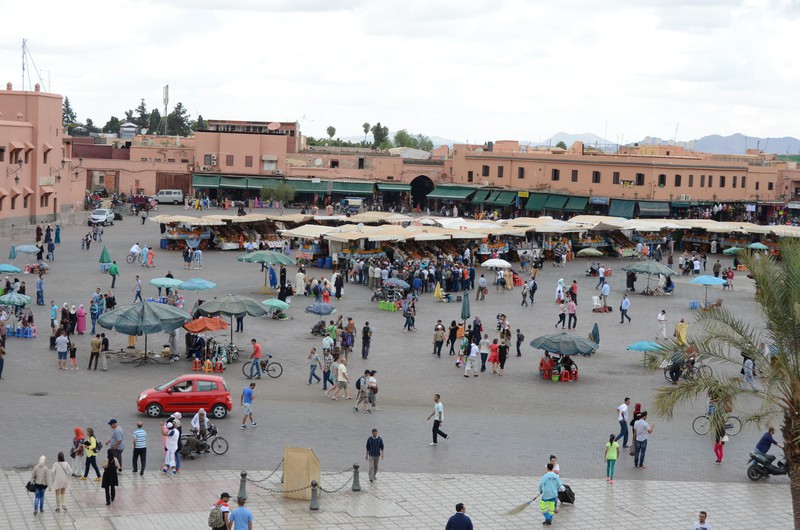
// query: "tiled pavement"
[[399, 501]]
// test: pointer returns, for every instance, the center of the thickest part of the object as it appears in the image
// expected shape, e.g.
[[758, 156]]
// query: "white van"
[[173, 196]]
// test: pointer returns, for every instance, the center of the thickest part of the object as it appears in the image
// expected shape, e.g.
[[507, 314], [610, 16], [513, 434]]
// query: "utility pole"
[[166, 104]]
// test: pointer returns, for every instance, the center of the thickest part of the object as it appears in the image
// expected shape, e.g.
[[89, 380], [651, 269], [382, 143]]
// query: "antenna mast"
[[24, 60]]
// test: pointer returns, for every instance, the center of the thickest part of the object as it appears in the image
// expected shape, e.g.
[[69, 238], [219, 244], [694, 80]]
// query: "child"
[[610, 456]]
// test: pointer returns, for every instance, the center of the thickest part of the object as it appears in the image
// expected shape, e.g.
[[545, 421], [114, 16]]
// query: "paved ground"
[[504, 426]]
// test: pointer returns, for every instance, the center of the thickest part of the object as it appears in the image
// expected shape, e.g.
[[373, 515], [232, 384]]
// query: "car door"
[[183, 395], [206, 394]]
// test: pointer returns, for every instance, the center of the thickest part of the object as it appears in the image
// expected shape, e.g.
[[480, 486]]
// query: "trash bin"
[[328, 262], [321, 262]]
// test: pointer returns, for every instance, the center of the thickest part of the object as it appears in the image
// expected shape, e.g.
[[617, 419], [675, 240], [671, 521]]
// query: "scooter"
[[763, 465]]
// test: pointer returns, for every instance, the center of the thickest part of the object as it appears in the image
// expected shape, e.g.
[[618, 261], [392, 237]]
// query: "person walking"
[[137, 290], [601, 277], [502, 355], [248, 395], [610, 456], [520, 340], [532, 287], [61, 474], [524, 295], [40, 290], [255, 365], [438, 338], [327, 363], [172, 437], [604, 293], [362, 395], [480, 294], [41, 480], [438, 415], [623, 309], [104, 346], [223, 519], [643, 432], [241, 518], [549, 486], [111, 470], [372, 390], [484, 346], [62, 347], [341, 380], [452, 336], [314, 363], [472, 360], [459, 520], [719, 441], [116, 442], [139, 449], [562, 314], [662, 324], [366, 340], [749, 370], [91, 454], [572, 310], [374, 453], [637, 414], [78, 451], [94, 357], [113, 271], [622, 418]]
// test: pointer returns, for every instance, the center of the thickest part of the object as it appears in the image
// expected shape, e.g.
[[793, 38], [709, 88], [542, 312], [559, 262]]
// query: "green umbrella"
[[732, 250], [589, 252], [274, 303], [758, 246], [465, 308], [16, 299], [564, 343], [266, 256], [12, 254], [166, 282], [649, 267], [105, 257], [232, 305]]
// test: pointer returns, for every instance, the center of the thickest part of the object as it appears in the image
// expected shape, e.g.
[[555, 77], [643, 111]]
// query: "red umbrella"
[[205, 324]]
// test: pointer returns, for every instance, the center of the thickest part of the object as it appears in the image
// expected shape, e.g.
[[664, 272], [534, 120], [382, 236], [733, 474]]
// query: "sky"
[[474, 70]]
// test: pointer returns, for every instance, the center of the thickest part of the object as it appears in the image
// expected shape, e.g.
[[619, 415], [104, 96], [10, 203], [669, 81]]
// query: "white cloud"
[[480, 70]]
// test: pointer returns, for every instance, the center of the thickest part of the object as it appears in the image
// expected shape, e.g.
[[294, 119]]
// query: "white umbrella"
[[496, 263]]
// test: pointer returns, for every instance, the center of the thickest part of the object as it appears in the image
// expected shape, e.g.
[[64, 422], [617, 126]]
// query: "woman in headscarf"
[[637, 415], [560, 290], [73, 320], [110, 476], [65, 312], [41, 479], [78, 452], [61, 472], [80, 323]]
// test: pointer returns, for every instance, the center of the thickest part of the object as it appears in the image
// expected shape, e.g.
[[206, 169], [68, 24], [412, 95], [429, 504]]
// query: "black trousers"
[[110, 494], [94, 357], [437, 432], [118, 455], [139, 454]]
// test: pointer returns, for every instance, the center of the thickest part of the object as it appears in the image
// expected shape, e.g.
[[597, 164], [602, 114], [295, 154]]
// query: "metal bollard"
[[242, 486], [356, 483], [281, 477], [314, 505]]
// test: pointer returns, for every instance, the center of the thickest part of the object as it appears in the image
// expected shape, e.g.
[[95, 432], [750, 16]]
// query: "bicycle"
[[134, 258], [690, 372], [702, 424], [217, 443], [271, 368]]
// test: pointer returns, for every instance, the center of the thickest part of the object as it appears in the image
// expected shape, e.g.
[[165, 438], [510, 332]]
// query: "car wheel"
[[219, 411], [175, 202], [154, 410]]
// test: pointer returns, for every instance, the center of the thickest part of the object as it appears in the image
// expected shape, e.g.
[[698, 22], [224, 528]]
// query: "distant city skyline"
[[472, 71]]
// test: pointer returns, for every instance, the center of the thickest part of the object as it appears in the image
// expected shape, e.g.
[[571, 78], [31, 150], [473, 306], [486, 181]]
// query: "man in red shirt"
[[256, 357], [225, 509]]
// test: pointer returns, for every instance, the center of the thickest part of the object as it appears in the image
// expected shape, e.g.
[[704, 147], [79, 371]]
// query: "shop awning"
[[353, 188], [653, 209], [47, 190], [536, 202], [205, 181], [16, 146], [681, 204], [255, 183], [238, 183], [269, 158], [556, 202], [451, 192], [308, 186], [480, 196], [621, 208], [393, 186], [502, 198], [576, 204]]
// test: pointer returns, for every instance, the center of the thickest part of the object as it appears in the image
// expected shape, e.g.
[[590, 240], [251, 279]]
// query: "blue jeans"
[[312, 373], [600, 282], [623, 314], [255, 366], [638, 457], [409, 323], [137, 297], [94, 323], [38, 500], [326, 378], [623, 432], [365, 349]]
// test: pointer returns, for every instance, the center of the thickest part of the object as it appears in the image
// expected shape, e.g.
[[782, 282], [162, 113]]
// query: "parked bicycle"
[[193, 444], [271, 368]]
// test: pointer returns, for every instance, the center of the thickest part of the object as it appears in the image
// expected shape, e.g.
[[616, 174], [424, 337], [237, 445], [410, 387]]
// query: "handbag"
[[72, 453], [724, 439], [30, 486]]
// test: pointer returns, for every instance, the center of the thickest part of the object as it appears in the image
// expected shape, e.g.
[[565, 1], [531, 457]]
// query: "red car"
[[188, 393]]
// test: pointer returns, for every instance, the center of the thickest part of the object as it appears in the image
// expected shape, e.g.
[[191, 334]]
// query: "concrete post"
[[356, 483], [314, 505], [242, 486]]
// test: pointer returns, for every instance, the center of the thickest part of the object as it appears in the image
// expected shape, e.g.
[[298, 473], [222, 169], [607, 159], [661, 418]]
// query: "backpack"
[[358, 383], [215, 518]]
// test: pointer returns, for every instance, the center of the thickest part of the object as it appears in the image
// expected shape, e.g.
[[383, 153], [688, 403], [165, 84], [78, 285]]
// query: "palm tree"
[[366, 130], [725, 339]]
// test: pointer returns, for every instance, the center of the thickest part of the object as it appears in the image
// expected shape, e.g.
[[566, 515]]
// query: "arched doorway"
[[421, 186]]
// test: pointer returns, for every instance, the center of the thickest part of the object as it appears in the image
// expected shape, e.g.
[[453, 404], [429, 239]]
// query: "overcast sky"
[[472, 70]]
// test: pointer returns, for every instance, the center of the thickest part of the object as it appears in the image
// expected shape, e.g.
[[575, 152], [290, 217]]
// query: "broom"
[[521, 507]]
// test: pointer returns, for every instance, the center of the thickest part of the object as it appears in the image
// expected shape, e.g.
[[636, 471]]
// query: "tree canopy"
[[68, 115], [403, 138], [331, 130], [380, 136]]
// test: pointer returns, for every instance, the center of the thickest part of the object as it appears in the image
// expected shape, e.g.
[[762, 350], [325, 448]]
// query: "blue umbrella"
[[708, 280], [28, 249], [5, 267], [320, 308], [758, 246], [645, 345], [564, 343], [12, 254], [196, 284], [397, 282]]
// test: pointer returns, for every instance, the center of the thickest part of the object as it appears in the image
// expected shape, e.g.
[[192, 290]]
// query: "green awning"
[[393, 186], [205, 181], [307, 186], [451, 192], [258, 183], [503, 198], [653, 209], [536, 202], [681, 204], [239, 183], [621, 208], [480, 196], [576, 204], [556, 202], [353, 188]]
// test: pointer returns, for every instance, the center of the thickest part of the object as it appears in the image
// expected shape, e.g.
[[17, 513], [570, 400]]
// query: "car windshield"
[[167, 385], [100, 212]]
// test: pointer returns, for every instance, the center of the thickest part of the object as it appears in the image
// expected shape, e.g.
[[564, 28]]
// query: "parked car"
[[188, 393], [173, 196], [101, 216]]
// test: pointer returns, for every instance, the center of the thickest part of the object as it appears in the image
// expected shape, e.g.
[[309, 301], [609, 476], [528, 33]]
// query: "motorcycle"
[[762, 465]]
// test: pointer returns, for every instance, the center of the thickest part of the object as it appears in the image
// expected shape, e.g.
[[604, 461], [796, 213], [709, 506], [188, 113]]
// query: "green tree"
[[90, 126], [720, 337], [68, 114], [179, 121], [403, 139], [142, 118], [154, 125], [380, 136], [424, 142], [129, 116], [200, 124], [365, 126], [561, 145], [112, 125], [283, 192], [331, 130]]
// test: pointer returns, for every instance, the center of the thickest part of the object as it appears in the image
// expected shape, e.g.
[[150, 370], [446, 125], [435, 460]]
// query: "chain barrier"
[[270, 490], [337, 489], [268, 476], [256, 482], [331, 473]]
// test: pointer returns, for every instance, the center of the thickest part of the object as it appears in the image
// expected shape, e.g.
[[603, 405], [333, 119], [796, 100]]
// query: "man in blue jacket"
[[549, 486], [459, 520]]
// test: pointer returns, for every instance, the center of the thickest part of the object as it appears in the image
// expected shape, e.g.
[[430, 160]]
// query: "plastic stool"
[[219, 367], [208, 367], [565, 376], [20, 332], [694, 304], [28, 333], [196, 365]]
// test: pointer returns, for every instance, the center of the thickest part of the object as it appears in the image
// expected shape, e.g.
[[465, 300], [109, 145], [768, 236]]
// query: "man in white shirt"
[[472, 361], [481, 294], [601, 277], [438, 412], [622, 418], [623, 309], [643, 432], [136, 250], [604, 293], [696, 264], [662, 324], [701, 523]]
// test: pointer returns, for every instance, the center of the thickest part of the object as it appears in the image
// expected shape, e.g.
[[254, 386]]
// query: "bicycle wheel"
[[129, 258], [705, 370], [274, 370], [701, 425], [733, 426], [219, 445], [246, 368]]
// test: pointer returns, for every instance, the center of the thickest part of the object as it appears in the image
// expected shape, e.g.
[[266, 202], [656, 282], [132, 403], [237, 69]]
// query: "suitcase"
[[567, 495]]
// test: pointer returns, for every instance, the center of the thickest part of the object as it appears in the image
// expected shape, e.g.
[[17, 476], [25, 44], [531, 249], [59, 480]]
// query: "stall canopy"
[[233, 182], [451, 192], [353, 188], [653, 208], [621, 208], [556, 202], [480, 196], [536, 202], [681, 204], [255, 183], [393, 186], [205, 181], [576, 204], [503, 198], [308, 186]]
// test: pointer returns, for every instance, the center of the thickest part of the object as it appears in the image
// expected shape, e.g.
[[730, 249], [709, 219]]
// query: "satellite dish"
[[144, 131], [318, 162], [274, 126]]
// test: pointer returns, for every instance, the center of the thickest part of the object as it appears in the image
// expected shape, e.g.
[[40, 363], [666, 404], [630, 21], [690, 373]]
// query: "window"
[[361, 162], [702, 181], [615, 178], [269, 165], [757, 185], [208, 160], [334, 164], [711, 181], [206, 386], [662, 181], [184, 160], [14, 202], [574, 175], [500, 172], [228, 160], [44, 200], [744, 181], [520, 172], [722, 181], [640, 179], [484, 171], [733, 181], [25, 201], [691, 181], [248, 161], [470, 176], [44, 156], [143, 159], [170, 160], [595, 177], [770, 186], [555, 174], [677, 181], [2, 154]]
